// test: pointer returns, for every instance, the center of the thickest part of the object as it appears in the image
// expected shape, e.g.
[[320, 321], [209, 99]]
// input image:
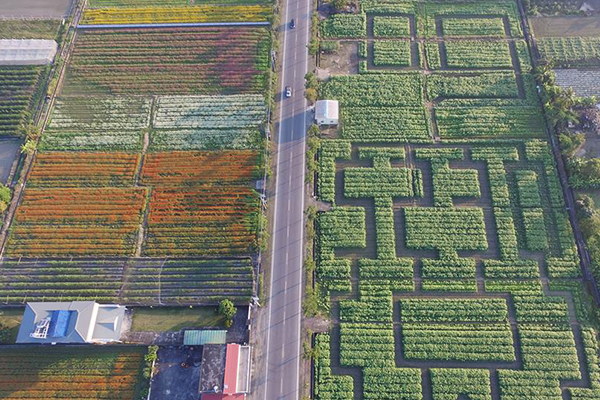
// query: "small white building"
[[327, 112], [27, 51]]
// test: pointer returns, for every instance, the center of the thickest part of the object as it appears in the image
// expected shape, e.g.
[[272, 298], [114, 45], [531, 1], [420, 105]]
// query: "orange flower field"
[[59, 222], [206, 220], [189, 168], [70, 372], [70, 169]]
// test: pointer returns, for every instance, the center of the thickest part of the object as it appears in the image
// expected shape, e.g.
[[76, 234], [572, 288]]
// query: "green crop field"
[[447, 260], [29, 29], [571, 51]]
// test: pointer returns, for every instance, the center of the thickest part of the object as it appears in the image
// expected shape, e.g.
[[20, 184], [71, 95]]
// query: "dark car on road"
[[293, 24]]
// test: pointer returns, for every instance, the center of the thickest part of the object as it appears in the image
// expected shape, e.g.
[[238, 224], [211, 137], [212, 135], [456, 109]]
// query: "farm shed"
[[202, 337], [71, 322], [327, 112], [225, 372], [27, 51]]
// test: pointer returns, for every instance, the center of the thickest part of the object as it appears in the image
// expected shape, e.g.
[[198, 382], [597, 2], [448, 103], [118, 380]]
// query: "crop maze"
[[447, 296], [444, 255]]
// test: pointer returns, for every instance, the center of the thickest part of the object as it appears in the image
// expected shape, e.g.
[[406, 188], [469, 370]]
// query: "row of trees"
[[570, 117]]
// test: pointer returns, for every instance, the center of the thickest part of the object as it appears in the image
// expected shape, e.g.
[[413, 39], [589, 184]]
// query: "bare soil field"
[[342, 62], [565, 26], [46, 9]]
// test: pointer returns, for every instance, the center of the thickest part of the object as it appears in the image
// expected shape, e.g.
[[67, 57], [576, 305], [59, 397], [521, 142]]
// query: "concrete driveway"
[[172, 380]]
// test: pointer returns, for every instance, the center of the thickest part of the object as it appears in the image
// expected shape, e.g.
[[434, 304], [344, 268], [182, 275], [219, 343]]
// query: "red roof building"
[[221, 396], [236, 375], [231, 369]]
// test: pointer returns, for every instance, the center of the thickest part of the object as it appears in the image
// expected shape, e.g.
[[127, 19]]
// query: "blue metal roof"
[[59, 323]]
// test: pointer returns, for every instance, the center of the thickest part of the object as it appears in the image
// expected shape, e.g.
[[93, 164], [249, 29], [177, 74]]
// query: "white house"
[[327, 112], [71, 322]]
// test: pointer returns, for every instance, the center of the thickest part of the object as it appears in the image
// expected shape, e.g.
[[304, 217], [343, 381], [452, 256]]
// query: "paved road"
[[283, 344]]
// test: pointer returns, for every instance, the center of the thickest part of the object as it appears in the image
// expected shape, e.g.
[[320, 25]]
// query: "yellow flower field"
[[164, 15]]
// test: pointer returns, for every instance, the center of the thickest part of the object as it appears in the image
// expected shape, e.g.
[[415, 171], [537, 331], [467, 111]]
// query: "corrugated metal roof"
[[231, 369], [327, 109], [201, 337]]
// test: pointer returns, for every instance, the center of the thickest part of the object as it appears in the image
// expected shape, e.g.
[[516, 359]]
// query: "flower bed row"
[[180, 168], [165, 15], [77, 222], [68, 169], [71, 372], [125, 281], [169, 61]]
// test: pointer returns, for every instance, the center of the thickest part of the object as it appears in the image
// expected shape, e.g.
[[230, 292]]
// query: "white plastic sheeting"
[[27, 51]]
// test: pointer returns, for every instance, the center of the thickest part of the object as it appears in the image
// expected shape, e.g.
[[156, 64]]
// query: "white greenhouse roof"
[[328, 109], [27, 51]]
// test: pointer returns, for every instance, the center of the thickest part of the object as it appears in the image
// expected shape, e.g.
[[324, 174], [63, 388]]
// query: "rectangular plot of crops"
[[86, 372], [188, 281], [136, 3], [478, 54], [75, 169], [473, 27], [60, 280], [17, 87], [203, 221], [571, 52], [188, 168], [97, 124], [345, 25], [456, 330], [391, 53], [169, 61], [375, 90], [385, 124], [492, 84], [207, 122], [77, 222], [367, 344], [490, 122], [445, 228], [391, 27], [163, 3], [342, 227], [198, 13], [376, 182], [490, 9]]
